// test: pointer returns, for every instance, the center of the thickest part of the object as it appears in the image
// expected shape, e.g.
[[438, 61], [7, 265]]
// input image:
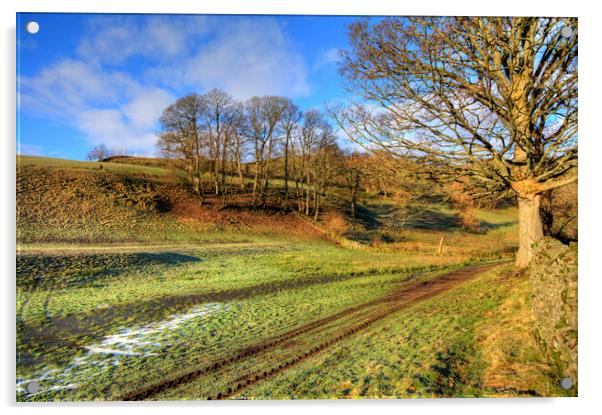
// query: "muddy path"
[[362, 316]]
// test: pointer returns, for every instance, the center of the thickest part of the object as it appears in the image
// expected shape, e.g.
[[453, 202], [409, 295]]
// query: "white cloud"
[[250, 57], [326, 57], [144, 110], [64, 85], [115, 87], [112, 128], [114, 39], [106, 107]]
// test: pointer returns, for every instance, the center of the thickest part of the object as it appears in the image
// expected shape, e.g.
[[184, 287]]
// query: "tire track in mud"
[[104, 319], [385, 306]]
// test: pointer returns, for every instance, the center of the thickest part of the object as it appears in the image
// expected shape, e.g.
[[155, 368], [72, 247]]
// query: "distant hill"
[[140, 161]]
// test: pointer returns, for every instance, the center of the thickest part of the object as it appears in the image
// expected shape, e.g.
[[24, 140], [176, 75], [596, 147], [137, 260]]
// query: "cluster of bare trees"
[[102, 152], [202, 132], [226, 146]]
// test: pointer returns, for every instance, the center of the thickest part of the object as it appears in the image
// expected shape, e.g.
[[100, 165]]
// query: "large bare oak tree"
[[490, 99]]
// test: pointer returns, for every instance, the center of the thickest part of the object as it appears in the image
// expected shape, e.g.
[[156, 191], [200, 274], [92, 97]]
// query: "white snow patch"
[[142, 341]]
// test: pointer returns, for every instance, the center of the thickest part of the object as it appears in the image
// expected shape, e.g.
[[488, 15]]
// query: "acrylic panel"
[[295, 207]]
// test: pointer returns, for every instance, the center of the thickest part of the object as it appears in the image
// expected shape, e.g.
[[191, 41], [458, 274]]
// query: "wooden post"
[[440, 249]]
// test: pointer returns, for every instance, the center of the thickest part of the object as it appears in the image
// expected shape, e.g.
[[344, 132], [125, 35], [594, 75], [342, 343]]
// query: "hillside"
[[144, 201], [72, 201], [122, 275]]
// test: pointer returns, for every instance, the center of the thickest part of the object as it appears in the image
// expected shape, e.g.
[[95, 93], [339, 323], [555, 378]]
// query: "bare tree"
[[99, 153], [315, 139], [219, 116], [239, 127], [291, 116], [263, 116], [491, 99], [182, 138], [352, 172]]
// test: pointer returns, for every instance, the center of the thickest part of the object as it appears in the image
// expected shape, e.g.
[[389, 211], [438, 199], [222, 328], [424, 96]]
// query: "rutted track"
[[382, 308]]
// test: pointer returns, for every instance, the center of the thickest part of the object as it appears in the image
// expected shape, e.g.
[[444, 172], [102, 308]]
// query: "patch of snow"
[[142, 341]]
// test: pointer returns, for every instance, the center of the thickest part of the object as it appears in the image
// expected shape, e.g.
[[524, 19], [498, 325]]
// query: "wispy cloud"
[[116, 38], [29, 149], [108, 107], [326, 58], [251, 57]]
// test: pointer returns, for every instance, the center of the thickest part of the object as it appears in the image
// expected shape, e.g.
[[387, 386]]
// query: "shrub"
[[335, 224]]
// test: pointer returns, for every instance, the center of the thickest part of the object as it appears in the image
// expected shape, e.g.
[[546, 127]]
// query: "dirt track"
[[376, 310]]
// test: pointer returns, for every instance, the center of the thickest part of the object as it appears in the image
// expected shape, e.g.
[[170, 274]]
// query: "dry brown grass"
[[335, 223], [55, 204]]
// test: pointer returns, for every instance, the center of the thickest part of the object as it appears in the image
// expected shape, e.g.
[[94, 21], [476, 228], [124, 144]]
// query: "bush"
[[335, 224]]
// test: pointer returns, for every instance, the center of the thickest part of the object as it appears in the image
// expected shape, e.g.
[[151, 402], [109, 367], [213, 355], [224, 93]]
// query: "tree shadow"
[[387, 216], [432, 220], [79, 270]]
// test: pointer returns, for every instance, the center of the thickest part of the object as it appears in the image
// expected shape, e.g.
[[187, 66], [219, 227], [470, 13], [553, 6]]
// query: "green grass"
[[104, 253], [80, 283], [432, 349], [67, 303]]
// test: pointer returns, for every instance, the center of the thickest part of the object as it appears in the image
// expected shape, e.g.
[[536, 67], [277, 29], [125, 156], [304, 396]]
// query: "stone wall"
[[553, 280]]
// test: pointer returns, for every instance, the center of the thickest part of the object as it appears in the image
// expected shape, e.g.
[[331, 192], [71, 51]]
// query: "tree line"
[[226, 147]]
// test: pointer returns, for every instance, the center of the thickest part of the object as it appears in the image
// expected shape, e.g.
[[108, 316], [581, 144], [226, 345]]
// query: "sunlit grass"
[[267, 290], [433, 349]]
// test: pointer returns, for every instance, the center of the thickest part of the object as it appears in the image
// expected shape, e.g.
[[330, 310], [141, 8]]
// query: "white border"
[[589, 193]]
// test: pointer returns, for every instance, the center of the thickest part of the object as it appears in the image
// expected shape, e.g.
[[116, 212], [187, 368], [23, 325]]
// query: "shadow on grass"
[[68, 271], [375, 217], [456, 373]]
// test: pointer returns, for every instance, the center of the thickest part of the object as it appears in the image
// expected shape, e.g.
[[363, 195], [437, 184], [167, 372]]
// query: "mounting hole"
[[566, 383], [32, 27], [33, 387], [566, 32]]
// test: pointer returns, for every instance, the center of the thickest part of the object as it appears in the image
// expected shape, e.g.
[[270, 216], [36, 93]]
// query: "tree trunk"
[[241, 177], [530, 229], [285, 204]]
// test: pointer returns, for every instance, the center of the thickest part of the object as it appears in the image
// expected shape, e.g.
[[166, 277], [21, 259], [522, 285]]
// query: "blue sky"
[[85, 79]]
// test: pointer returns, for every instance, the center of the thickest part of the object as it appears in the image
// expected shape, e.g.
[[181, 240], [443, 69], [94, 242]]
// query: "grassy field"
[[441, 347], [124, 282], [252, 293]]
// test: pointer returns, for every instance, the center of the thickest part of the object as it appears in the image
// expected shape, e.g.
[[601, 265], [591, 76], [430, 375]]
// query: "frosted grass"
[[142, 341]]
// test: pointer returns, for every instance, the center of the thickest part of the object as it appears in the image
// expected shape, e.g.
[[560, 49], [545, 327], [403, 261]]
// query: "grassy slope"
[[24, 161], [73, 202], [90, 290], [63, 201]]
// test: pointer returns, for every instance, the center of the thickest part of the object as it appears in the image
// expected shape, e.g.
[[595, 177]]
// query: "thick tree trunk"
[[530, 229]]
